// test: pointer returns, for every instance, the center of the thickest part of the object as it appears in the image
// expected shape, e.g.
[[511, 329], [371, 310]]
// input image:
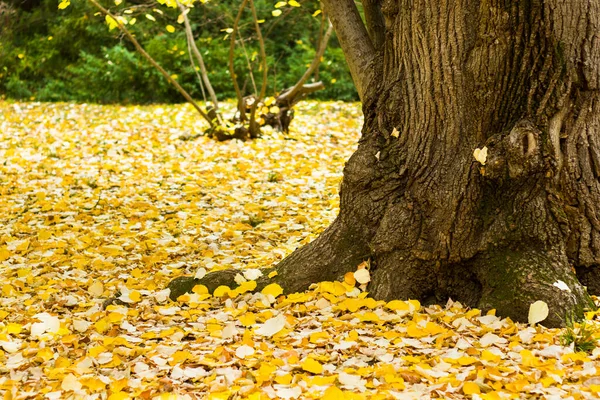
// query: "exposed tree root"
[[513, 280], [334, 253]]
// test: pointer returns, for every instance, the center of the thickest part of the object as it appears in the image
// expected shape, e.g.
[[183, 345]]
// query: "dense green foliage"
[[49, 54]]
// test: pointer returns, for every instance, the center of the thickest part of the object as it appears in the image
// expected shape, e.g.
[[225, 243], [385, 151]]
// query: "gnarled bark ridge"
[[520, 78]]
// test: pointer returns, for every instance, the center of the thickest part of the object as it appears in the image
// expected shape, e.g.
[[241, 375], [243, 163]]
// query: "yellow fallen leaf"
[[362, 276], [119, 396], [70, 383], [333, 393], [487, 355], [283, 379], [112, 250], [273, 289], [221, 291], [470, 388], [14, 328], [312, 365], [398, 305], [248, 319], [538, 312]]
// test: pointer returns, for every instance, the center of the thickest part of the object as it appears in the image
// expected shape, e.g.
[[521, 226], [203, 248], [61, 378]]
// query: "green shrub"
[[70, 55], [17, 89]]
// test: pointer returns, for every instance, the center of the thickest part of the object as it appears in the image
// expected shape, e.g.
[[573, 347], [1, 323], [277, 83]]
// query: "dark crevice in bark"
[[590, 278]]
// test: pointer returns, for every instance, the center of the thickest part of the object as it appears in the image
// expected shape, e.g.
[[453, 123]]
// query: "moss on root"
[[513, 280]]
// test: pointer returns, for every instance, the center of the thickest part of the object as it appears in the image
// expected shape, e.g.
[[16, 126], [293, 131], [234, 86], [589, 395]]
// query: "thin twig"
[[263, 55], [290, 94], [248, 63], [240, 99], [191, 42]]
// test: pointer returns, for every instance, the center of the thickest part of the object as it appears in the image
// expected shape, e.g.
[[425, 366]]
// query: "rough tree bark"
[[519, 77]]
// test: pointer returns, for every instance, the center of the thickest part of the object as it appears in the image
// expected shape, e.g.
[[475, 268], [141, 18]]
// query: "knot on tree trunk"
[[516, 155]]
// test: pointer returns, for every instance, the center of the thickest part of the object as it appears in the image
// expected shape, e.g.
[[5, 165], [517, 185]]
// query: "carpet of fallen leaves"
[[98, 201]]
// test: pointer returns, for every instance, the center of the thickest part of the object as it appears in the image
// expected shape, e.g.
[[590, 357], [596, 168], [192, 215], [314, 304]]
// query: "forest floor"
[[98, 201]]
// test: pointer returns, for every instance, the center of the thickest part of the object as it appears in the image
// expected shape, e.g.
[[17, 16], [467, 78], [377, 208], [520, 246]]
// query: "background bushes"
[[49, 54]]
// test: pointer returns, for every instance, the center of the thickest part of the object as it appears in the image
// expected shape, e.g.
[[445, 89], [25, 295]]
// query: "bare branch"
[[355, 42], [313, 66], [263, 90], [190, 38], [240, 98], [249, 64]]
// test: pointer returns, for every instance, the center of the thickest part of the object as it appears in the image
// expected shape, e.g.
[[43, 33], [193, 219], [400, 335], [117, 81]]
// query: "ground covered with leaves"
[[98, 202]]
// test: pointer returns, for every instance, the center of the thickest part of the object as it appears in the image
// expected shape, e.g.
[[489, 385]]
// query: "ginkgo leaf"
[[252, 274], [244, 351], [129, 296], [272, 289], [10, 347], [276, 13], [490, 339], [362, 276], [96, 289], [221, 291], [112, 249], [312, 365], [271, 326], [538, 312], [293, 3], [71, 383], [112, 24], [80, 325], [351, 381], [481, 155], [13, 328], [49, 323], [229, 331], [562, 286], [170, 28], [239, 279], [469, 388], [200, 273]]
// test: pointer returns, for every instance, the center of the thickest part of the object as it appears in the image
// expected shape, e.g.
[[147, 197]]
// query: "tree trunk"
[[518, 77]]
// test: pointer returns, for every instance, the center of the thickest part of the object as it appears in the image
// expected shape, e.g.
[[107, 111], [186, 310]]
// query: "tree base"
[[509, 281]]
